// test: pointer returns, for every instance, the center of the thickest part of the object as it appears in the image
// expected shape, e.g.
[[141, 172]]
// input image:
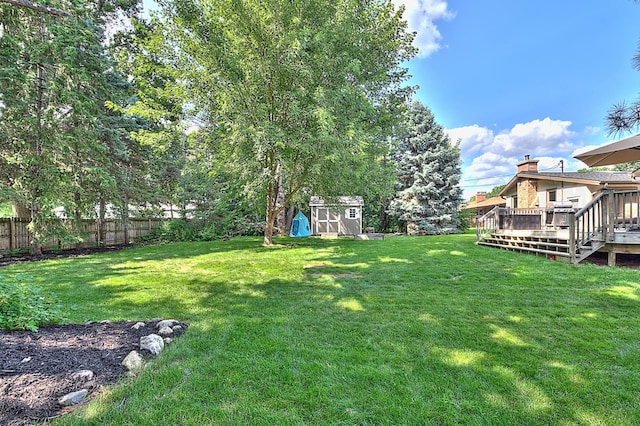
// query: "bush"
[[24, 306], [172, 231]]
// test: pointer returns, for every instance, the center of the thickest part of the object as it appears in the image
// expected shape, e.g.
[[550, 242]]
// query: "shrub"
[[24, 306]]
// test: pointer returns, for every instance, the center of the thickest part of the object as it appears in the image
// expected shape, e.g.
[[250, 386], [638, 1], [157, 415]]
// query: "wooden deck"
[[609, 223]]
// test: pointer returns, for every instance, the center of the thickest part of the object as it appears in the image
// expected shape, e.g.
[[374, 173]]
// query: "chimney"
[[528, 165], [481, 196]]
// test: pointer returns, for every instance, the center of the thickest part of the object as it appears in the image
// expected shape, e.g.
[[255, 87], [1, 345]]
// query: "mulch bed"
[[36, 368], [58, 254]]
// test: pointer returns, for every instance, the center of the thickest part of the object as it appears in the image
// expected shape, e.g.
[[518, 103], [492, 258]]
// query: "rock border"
[[150, 346]]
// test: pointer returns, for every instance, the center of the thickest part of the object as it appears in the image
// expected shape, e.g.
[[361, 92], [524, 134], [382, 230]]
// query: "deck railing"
[[487, 223], [589, 228], [589, 222]]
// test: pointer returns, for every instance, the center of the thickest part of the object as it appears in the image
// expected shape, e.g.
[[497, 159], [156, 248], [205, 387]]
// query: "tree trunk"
[[281, 217], [382, 226], [36, 226], [290, 211], [37, 7], [102, 231], [77, 216], [268, 232], [20, 210]]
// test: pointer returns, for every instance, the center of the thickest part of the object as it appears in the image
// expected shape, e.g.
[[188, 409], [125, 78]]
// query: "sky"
[[509, 78]]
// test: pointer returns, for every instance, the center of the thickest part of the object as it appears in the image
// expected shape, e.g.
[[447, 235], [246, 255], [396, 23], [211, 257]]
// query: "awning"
[[622, 151]]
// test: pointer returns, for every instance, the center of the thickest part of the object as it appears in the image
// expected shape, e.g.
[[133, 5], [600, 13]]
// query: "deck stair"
[[558, 246]]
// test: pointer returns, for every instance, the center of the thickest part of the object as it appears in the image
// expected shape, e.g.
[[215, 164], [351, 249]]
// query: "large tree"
[[428, 172], [58, 141], [292, 91]]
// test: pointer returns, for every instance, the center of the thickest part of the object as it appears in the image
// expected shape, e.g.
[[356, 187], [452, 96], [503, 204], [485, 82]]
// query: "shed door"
[[327, 221]]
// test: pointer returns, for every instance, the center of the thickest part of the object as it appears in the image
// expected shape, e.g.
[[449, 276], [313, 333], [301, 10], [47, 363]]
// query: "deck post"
[[611, 216], [572, 237], [611, 258]]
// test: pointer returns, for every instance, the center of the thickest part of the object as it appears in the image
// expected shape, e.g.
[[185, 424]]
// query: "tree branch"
[[37, 7]]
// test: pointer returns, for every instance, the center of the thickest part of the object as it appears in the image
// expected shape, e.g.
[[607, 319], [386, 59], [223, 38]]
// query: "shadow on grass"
[[406, 330]]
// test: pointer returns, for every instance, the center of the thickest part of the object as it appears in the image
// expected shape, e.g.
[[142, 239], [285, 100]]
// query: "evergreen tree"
[[58, 141], [428, 173]]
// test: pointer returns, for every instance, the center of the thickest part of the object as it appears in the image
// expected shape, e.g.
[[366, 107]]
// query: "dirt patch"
[[629, 261], [36, 369], [9, 260]]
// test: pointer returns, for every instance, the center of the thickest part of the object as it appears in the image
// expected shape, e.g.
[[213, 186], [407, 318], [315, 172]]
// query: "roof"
[[585, 178], [489, 202], [353, 200]]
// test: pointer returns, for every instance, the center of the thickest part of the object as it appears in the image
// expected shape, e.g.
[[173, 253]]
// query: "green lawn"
[[405, 331]]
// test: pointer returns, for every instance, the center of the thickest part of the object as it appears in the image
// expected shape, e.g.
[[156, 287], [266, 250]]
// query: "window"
[[351, 213], [552, 195]]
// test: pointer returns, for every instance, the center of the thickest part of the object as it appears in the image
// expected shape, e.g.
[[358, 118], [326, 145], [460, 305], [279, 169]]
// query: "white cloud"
[[421, 16], [490, 158], [472, 138]]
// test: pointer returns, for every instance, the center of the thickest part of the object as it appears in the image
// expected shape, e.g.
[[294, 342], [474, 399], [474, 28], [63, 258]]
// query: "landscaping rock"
[[167, 323], [73, 398], [138, 325], [133, 362], [82, 375], [152, 343], [165, 331]]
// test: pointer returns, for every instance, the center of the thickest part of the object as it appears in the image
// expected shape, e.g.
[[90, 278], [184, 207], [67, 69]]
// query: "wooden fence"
[[15, 235]]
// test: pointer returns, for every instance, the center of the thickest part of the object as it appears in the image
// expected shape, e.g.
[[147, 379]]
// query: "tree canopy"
[[292, 92]]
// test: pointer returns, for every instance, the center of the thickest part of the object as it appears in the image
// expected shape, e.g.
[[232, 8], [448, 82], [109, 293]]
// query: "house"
[[530, 188], [336, 216], [482, 205], [565, 215]]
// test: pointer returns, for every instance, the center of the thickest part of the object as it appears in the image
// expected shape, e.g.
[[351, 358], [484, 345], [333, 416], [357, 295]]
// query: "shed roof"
[[351, 200]]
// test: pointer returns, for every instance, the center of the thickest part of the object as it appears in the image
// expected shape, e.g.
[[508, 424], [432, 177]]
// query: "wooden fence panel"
[[15, 235]]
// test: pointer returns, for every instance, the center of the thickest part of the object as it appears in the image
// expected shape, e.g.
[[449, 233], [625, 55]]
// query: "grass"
[[405, 331]]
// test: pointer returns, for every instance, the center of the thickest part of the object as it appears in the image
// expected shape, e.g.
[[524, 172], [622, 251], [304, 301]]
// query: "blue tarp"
[[300, 226]]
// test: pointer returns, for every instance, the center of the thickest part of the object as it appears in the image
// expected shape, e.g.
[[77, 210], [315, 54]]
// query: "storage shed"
[[338, 215]]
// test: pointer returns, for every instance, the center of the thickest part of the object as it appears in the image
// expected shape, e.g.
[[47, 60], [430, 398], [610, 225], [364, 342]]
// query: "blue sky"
[[513, 77]]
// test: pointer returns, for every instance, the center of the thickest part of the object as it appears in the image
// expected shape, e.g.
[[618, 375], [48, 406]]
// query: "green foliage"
[[24, 305], [495, 191], [175, 230], [178, 230], [466, 219], [5, 210], [59, 143]]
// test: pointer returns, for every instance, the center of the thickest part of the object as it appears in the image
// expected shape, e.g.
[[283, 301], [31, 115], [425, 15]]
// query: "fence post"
[[12, 233]]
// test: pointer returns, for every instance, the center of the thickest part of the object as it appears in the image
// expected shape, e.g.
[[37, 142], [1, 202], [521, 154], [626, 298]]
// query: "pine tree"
[[428, 173]]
